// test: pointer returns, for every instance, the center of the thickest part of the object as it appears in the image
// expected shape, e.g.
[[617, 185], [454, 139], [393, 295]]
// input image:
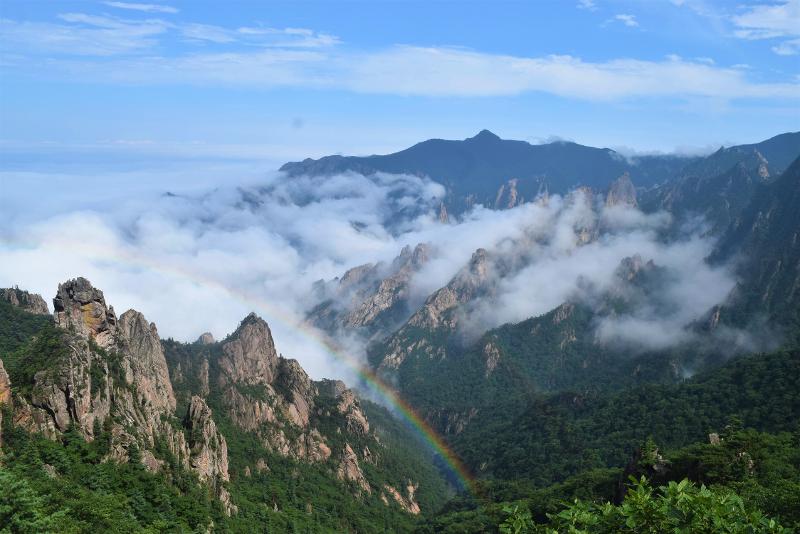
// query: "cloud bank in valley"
[[201, 261]]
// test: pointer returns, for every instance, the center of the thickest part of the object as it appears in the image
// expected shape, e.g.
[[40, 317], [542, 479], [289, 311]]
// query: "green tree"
[[677, 507]]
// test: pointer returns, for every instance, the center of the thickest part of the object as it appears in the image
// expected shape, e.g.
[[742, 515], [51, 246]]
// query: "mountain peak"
[[485, 136]]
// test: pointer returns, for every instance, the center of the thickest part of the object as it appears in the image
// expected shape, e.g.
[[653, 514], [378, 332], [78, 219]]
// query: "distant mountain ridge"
[[484, 168]]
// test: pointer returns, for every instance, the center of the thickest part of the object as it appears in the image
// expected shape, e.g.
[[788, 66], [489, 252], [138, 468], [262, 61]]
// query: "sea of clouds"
[[197, 256]]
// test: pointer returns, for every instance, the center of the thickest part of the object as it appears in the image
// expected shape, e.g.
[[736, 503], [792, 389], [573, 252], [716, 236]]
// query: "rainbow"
[[461, 476]]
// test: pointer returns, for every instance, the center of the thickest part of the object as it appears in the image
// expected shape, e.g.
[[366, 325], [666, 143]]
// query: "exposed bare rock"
[[763, 165], [407, 502], [439, 312], [563, 312], [357, 276], [121, 442], [80, 308], [261, 466], [347, 405], [249, 357], [208, 448], [392, 292], [5, 385], [632, 267], [145, 361], [206, 338], [331, 388], [462, 288], [507, 195], [246, 412], [202, 378], [5, 394], [114, 372], [208, 451], [370, 300], [492, 355], [30, 302], [150, 462], [622, 192], [443, 217], [295, 381], [350, 471]]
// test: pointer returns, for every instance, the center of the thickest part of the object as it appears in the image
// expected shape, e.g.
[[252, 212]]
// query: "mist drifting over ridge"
[[201, 261]]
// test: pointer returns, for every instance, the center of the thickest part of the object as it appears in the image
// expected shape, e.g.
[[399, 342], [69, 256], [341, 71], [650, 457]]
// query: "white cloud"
[[787, 48], [264, 57], [148, 8], [203, 260], [627, 20], [87, 35], [589, 5], [408, 70], [771, 21], [103, 35], [765, 21]]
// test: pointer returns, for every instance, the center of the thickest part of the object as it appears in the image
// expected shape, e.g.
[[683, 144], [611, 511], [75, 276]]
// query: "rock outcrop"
[[407, 502], [440, 312], [80, 308], [206, 338], [507, 195], [208, 451], [249, 357], [273, 396], [146, 366], [112, 373], [349, 469], [371, 299], [5, 395], [622, 192], [392, 292], [30, 302]]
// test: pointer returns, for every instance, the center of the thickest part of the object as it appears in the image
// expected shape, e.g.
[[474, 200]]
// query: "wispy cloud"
[[787, 48], [264, 57], [147, 8], [627, 20], [83, 35], [771, 21], [589, 5]]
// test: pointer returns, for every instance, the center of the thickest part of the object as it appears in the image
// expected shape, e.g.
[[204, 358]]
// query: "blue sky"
[[90, 85]]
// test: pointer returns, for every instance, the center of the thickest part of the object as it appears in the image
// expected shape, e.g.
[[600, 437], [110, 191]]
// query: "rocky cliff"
[[179, 405], [371, 300], [109, 374], [622, 192], [5, 395], [261, 393], [30, 302]]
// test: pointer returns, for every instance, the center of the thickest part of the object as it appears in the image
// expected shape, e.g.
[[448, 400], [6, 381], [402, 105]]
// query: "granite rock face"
[[208, 450], [206, 338], [439, 313], [30, 302], [80, 308], [146, 366], [622, 192], [249, 357], [373, 299], [5, 394], [113, 373], [274, 397]]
